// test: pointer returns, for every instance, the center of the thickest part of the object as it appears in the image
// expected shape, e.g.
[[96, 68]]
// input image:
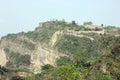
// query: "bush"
[[47, 67], [116, 50], [17, 78], [64, 61], [23, 60]]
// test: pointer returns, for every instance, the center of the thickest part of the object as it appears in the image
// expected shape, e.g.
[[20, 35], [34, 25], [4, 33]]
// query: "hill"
[[63, 51]]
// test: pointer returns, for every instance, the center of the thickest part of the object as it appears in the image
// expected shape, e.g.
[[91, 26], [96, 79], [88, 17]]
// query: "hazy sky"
[[24, 15]]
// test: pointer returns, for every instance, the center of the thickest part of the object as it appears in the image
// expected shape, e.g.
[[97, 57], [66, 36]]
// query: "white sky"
[[24, 15]]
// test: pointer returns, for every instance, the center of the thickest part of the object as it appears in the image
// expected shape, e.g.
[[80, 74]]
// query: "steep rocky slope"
[[42, 56], [3, 59], [39, 54]]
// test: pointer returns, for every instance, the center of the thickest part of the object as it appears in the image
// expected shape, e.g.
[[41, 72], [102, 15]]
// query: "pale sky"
[[24, 15]]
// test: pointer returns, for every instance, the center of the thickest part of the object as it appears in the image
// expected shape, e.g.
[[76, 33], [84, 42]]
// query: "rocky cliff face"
[[3, 58], [39, 56], [13, 45], [42, 56]]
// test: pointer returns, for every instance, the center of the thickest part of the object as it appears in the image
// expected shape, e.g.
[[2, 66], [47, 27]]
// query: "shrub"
[[47, 67], [17, 78]]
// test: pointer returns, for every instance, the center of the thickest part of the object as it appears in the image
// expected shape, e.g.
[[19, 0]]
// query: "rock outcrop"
[[42, 56], [3, 58]]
